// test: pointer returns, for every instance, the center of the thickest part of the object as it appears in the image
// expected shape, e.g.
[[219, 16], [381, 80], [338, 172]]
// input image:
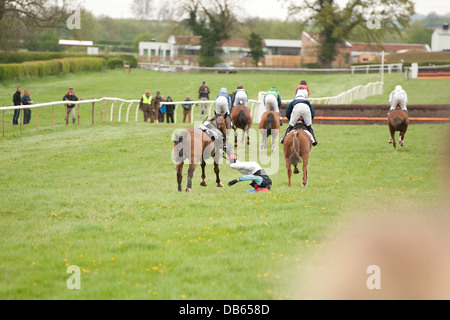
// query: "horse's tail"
[[295, 150], [269, 123], [179, 142], [243, 119]]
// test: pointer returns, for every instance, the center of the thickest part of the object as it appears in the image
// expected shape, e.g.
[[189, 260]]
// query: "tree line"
[[40, 26]]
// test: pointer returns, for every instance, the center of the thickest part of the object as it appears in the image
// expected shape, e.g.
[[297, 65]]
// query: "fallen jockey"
[[300, 108], [219, 140], [253, 172]]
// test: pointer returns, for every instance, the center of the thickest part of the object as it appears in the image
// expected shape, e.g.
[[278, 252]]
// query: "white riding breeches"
[[222, 106], [241, 96], [270, 102], [398, 99], [246, 168], [301, 110]]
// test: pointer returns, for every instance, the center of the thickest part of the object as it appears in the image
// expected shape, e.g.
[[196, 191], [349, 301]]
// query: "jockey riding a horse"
[[223, 105], [272, 100], [253, 172], [398, 97], [219, 139], [240, 97], [300, 108]]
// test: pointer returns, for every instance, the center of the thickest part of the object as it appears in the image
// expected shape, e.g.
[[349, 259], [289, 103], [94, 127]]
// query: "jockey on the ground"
[[253, 172]]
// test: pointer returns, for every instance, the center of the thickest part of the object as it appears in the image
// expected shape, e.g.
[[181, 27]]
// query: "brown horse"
[[242, 119], [398, 120], [270, 125], [195, 145], [297, 147]]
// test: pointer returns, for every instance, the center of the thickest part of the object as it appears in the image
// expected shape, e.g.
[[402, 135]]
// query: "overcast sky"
[[255, 8]]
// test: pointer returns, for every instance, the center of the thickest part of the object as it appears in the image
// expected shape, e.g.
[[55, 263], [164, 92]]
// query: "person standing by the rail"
[[17, 100], [26, 101], [156, 104], [70, 108], [170, 111], [187, 110], [203, 94], [145, 105]]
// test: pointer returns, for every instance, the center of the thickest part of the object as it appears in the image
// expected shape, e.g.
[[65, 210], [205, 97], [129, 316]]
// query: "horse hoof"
[[305, 184], [274, 148], [203, 184], [296, 171], [188, 190], [390, 141], [220, 185]]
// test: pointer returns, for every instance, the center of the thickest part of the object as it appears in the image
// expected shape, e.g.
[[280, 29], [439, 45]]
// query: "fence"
[[394, 67], [256, 107]]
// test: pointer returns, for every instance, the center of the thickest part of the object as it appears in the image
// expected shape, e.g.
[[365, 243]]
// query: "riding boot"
[[311, 130], [232, 124], [289, 129], [281, 120]]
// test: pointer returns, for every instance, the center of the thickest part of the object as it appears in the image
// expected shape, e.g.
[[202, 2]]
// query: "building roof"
[[276, 43], [314, 37], [76, 43], [196, 41], [388, 47]]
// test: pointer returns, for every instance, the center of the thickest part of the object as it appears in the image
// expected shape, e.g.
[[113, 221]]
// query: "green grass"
[[104, 198]]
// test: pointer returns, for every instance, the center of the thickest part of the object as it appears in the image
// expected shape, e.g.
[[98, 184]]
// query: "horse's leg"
[[305, 158], [393, 138], [402, 138], [248, 137], [180, 175], [235, 138], [296, 171], [289, 170], [264, 139], [243, 136], [190, 176], [203, 183], [274, 140], [217, 172]]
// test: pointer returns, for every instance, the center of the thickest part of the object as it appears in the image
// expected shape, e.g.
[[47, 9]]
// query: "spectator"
[[26, 100], [17, 100], [70, 108], [187, 108], [145, 105], [204, 96], [156, 104], [170, 111], [162, 111]]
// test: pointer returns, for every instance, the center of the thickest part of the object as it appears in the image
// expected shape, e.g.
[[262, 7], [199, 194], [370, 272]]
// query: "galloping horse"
[[195, 145], [398, 120], [242, 119], [270, 125], [297, 147]]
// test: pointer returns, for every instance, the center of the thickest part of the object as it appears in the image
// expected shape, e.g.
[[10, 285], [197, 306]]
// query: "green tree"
[[417, 33], [212, 25], [256, 47], [334, 24]]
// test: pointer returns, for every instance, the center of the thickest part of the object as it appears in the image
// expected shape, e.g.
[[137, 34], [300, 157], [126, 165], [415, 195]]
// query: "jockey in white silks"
[[272, 100], [300, 108], [240, 97], [223, 105], [398, 97], [253, 172]]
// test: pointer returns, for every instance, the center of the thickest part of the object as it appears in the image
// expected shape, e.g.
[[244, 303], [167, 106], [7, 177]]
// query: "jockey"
[[219, 140], [240, 96], [273, 100], [300, 108], [223, 105], [253, 172], [303, 85], [398, 97]]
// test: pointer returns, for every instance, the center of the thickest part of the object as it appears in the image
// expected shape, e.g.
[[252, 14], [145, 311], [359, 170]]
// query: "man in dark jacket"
[[26, 101], [70, 108], [170, 111], [17, 100], [156, 105], [203, 95]]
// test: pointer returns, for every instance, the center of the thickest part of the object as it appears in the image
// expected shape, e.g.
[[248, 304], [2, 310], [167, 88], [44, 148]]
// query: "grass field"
[[104, 198]]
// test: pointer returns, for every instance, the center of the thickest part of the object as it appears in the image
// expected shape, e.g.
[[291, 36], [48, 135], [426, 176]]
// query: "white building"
[[440, 40]]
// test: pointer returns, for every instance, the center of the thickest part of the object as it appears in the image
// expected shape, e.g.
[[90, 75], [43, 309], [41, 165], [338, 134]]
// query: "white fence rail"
[[394, 67], [256, 107]]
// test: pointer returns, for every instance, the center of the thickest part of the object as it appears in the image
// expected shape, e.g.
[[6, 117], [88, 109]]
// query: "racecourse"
[[104, 197]]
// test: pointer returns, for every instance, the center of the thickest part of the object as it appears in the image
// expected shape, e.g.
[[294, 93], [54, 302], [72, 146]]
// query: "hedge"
[[15, 71], [21, 57], [114, 63]]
